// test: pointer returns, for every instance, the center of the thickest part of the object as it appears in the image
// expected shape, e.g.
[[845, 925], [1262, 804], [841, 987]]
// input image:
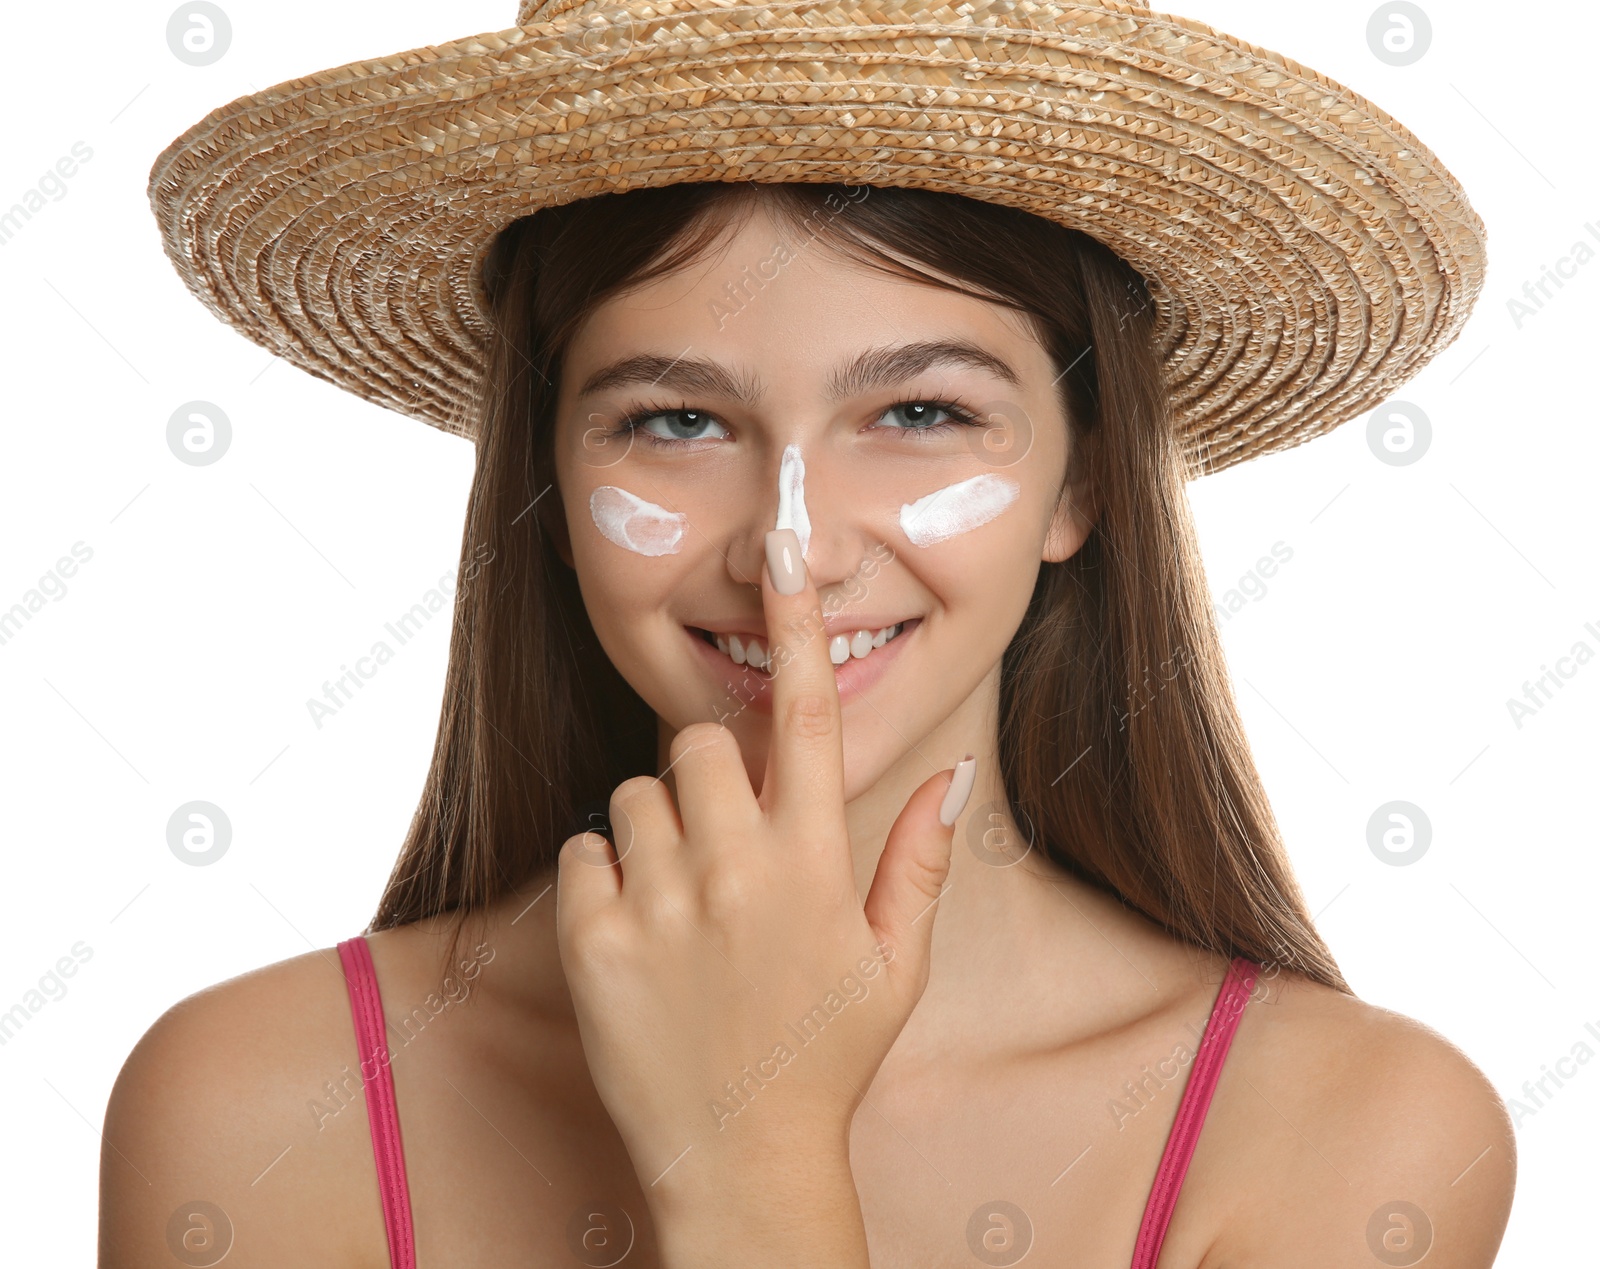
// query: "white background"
[[177, 665]]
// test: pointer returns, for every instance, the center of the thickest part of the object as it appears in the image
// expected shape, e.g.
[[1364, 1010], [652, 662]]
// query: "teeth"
[[745, 650], [842, 647], [748, 650]]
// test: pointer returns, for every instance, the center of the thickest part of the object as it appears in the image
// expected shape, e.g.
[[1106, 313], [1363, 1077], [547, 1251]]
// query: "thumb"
[[914, 865]]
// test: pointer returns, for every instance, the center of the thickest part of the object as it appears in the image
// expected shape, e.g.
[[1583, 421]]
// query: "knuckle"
[[631, 803], [588, 847], [726, 891], [811, 715], [633, 790], [698, 735], [928, 878]]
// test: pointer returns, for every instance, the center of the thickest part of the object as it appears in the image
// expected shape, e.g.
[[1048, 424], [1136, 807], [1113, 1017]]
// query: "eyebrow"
[[875, 368]]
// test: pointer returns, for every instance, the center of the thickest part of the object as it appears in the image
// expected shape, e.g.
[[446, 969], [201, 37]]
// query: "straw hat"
[[1306, 253]]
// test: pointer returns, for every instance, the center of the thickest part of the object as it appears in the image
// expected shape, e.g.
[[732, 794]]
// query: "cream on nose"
[[792, 496]]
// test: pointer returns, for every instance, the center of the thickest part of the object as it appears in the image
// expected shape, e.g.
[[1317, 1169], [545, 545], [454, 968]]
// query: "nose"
[[809, 493], [792, 511]]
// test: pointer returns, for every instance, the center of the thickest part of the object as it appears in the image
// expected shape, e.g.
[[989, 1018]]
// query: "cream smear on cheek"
[[792, 496], [635, 524], [957, 508]]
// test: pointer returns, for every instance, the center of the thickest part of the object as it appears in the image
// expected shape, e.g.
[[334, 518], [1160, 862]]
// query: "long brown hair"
[[1115, 677]]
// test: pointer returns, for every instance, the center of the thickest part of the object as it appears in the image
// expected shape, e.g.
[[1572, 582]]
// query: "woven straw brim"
[[1306, 253]]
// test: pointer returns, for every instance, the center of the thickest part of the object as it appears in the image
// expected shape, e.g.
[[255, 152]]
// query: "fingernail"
[[955, 797], [784, 561]]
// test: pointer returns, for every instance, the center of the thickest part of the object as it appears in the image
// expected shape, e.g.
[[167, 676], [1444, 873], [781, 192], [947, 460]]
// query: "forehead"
[[785, 306]]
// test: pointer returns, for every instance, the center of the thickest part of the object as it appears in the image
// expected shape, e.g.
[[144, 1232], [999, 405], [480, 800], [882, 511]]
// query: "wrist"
[[786, 1214]]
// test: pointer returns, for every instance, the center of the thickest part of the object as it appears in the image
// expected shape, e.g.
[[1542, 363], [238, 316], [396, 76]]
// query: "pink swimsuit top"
[[367, 1008]]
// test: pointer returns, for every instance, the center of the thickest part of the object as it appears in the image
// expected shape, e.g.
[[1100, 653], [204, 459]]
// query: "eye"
[[682, 425], [921, 413]]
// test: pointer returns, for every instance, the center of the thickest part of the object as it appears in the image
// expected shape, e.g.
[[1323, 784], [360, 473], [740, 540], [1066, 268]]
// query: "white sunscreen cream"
[[634, 524], [792, 496], [957, 508]]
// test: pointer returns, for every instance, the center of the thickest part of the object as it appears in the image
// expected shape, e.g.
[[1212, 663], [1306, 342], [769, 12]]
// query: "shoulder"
[[1361, 1136], [213, 1137]]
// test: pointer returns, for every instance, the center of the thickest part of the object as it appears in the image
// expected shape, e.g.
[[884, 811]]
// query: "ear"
[[1074, 516]]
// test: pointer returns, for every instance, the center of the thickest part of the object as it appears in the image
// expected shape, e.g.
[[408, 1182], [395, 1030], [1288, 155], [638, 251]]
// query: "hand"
[[734, 996]]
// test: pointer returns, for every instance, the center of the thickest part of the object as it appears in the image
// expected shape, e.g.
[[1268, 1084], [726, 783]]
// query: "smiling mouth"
[[752, 652]]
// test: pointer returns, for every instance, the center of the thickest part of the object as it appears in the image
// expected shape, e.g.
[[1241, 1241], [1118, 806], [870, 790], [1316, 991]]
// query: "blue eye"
[[923, 410], [685, 419]]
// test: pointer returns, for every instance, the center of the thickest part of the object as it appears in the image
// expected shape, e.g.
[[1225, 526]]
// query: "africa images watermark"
[[851, 590], [738, 295], [50, 988], [1536, 294], [1536, 1094], [1541, 691], [398, 1033], [52, 185], [1142, 1092], [1253, 585], [439, 598], [51, 586], [808, 1029], [1142, 694]]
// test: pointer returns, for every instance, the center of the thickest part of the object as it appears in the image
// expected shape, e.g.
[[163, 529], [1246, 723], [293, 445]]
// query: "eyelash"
[[959, 415]]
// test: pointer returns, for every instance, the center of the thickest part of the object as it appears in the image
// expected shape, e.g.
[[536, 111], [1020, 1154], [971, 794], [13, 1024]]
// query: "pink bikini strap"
[[366, 1007], [1214, 1045], [389, 1155]]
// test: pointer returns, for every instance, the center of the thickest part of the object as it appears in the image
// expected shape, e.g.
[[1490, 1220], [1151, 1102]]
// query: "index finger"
[[805, 756]]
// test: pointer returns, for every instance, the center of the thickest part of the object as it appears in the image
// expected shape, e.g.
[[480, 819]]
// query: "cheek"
[[958, 509], [636, 524], [976, 544], [628, 559]]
